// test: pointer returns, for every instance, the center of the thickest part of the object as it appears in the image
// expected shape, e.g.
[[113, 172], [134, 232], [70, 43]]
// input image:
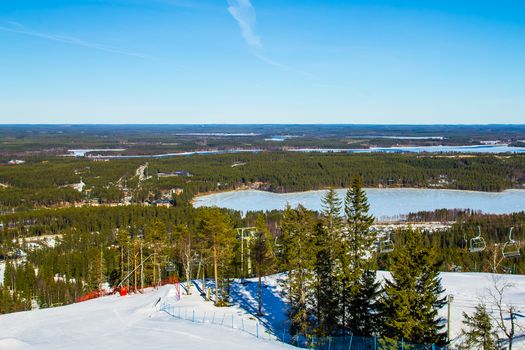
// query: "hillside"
[[114, 322], [137, 320]]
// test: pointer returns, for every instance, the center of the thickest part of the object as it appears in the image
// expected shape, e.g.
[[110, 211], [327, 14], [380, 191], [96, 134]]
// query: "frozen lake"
[[419, 149], [384, 202], [82, 152], [409, 149]]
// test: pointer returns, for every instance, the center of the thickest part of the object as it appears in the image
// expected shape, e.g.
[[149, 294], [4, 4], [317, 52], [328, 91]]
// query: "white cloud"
[[244, 13]]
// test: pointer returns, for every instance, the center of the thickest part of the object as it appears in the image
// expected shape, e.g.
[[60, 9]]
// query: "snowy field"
[[468, 289], [135, 321], [129, 322]]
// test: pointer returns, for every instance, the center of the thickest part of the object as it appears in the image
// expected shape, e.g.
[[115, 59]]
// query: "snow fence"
[[256, 328]]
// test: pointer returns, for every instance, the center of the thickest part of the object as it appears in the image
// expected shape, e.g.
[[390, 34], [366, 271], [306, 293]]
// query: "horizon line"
[[261, 124]]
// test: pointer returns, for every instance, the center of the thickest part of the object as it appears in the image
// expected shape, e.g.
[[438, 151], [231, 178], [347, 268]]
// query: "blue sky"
[[262, 61]]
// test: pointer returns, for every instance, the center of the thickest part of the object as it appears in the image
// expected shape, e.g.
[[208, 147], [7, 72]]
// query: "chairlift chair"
[[170, 267], [278, 247], [511, 248], [477, 244], [386, 246]]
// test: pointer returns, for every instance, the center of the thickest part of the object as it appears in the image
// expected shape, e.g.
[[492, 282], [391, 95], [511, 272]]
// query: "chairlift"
[[386, 246], [170, 267], [477, 244], [278, 247], [511, 248]]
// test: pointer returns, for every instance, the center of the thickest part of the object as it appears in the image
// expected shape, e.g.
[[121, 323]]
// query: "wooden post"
[[450, 298]]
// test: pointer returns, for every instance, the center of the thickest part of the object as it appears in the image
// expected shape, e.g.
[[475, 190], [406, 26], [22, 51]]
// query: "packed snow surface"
[[130, 322], [134, 321]]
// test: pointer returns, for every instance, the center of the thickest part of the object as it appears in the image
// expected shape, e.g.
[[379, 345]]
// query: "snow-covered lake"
[[495, 149], [420, 149], [82, 152], [384, 202]]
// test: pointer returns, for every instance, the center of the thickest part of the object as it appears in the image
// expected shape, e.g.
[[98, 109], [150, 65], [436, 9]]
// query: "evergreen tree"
[[187, 252], [359, 238], [412, 296], [218, 229], [12, 302], [328, 233], [364, 306], [156, 239], [263, 255], [123, 239], [431, 299], [10, 275], [355, 258], [96, 275], [299, 251], [479, 332]]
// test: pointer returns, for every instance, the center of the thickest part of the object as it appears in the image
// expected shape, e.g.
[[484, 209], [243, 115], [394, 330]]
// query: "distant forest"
[[89, 249], [27, 140], [48, 181]]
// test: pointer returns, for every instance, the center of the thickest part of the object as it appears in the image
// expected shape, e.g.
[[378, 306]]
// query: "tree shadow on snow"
[[274, 307]]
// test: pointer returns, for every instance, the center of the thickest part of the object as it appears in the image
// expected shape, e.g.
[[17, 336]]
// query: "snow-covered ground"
[[135, 321], [129, 322], [469, 289]]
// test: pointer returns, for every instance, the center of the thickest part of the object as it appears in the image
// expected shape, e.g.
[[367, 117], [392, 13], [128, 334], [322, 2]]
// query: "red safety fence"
[[131, 289], [92, 295]]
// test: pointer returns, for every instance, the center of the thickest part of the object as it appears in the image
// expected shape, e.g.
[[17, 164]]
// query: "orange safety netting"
[[131, 289]]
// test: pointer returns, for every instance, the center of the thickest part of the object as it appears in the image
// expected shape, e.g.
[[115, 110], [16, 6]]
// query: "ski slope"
[[130, 322], [135, 321]]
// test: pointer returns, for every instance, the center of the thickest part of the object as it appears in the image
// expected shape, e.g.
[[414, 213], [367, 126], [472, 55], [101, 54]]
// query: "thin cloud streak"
[[20, 29], [281, 66], [244, 13]]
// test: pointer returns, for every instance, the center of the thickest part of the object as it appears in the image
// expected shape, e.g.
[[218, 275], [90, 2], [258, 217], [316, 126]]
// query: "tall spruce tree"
[[479, 332], [217, 227], [431, 299], [364, 306], [297, 228], [263, 255], [413, 295], [328, 233], [356, 260], [156, 240]]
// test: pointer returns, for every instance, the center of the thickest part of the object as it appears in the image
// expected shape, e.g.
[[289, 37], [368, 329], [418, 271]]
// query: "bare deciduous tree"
[[504, 314]]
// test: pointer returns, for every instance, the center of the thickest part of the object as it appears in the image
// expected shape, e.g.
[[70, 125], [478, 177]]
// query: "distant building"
[[176, 173], [16, 162], [163, 203], [177, 191]]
